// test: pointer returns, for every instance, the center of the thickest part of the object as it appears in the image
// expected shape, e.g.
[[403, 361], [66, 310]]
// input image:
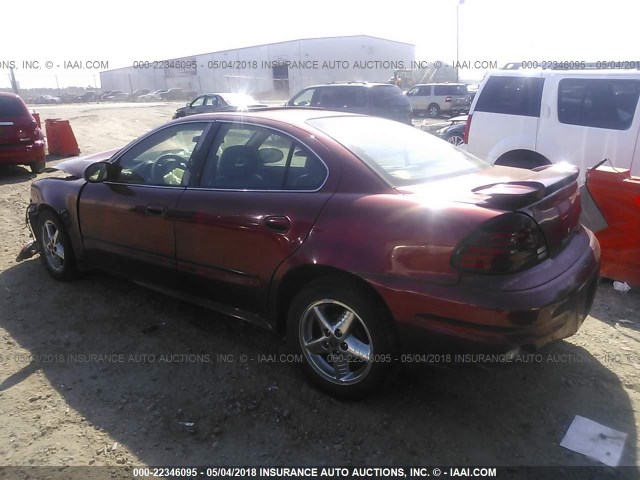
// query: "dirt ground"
[[103, 372]]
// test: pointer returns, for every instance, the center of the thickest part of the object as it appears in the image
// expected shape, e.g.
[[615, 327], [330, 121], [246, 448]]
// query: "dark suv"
[[378, 99]]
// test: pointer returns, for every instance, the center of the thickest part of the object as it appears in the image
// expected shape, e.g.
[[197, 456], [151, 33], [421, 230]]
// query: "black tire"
[[455, 139], [37, 167], [433, 110], [328, 360], [524, 160], [60, 267]]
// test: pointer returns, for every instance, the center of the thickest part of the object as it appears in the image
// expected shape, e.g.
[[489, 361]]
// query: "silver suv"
[[435, 99]]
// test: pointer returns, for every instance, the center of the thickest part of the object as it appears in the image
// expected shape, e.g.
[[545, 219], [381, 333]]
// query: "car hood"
[[76, 166]]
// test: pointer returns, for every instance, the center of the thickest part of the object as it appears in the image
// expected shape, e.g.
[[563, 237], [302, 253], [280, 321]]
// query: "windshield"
[[401, 154]]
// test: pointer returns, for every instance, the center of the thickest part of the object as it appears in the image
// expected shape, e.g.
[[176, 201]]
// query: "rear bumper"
[[22, 154], [482, 313]]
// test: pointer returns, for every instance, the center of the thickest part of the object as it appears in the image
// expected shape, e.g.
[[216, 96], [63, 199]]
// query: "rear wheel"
[[433, 110], [345, 336], [55, 247], [37, 167]]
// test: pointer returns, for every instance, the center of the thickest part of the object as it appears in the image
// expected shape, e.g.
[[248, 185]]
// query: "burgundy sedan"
[[358, 236]]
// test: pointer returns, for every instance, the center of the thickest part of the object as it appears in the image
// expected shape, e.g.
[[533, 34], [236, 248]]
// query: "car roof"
[[445, 83], [566, 73], [296, 116], [9, 94], [351, 84]]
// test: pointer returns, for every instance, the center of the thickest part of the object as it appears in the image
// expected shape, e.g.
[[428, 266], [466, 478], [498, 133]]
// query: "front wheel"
[[55, 247], [346, 338]]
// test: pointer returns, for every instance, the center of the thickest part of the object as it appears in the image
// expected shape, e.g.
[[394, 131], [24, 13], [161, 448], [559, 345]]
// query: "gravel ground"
[[167, 383]]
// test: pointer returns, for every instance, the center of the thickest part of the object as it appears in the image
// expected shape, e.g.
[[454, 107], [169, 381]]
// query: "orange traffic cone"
[[60, 138]]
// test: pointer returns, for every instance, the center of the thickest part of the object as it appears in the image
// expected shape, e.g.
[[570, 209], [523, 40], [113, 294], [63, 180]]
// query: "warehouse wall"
[[255, 70]]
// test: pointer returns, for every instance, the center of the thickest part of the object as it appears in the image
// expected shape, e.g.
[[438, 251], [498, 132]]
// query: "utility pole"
[[14, 84], [460, 2]]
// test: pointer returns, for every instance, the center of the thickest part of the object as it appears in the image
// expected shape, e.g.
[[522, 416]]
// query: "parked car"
[[135, 96], [528, 118], [153, 96], [435, 99], [119, 97], [88, 97], [213, 102], [359, 236], [47, 100], [105, 97], [21, 140], [378, 99], [453, 131], [173, 94]]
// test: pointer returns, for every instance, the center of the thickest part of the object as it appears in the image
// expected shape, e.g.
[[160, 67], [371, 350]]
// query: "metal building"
[[276, 70]]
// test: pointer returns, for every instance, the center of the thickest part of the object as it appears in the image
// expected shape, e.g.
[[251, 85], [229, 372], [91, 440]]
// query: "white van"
[[527, 118]]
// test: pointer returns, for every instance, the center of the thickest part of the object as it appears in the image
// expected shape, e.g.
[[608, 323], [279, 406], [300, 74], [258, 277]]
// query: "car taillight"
[[447, 99], [467, 127], [507, 244]]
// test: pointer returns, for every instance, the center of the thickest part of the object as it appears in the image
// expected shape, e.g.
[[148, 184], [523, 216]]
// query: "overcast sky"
[[121, 32]]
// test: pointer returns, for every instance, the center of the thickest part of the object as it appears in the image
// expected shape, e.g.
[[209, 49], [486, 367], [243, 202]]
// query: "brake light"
[[507, 244], [447, 99], [467, 127]]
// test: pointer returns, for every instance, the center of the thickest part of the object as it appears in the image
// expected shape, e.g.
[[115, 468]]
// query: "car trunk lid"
[[549, 195]]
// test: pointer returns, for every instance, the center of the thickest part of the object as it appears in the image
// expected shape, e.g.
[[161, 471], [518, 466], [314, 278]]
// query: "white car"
[[529, 118]]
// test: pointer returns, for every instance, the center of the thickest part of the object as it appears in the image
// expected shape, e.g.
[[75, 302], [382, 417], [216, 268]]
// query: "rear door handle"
[[280, 224], [156, 210]]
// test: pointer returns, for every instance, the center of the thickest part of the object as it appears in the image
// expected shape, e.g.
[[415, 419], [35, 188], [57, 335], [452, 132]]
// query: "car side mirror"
[[97, 172]]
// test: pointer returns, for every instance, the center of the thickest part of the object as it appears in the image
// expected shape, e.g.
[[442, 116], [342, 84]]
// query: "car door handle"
[[279, 224], [156, 210]]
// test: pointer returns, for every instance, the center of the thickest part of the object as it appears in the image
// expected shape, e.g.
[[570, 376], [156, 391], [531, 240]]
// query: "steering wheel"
[[165, 164]]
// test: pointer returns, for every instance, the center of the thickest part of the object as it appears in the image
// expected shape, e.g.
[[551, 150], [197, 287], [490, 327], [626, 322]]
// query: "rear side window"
[[390, 96], [599, 103], [12, 107], [450, 90], [341, 97], [511, 96]]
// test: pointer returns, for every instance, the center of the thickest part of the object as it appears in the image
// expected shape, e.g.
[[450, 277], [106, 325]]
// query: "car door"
[[588, 119], [127, 221], [212, 103], [197, 106], [254, 203]]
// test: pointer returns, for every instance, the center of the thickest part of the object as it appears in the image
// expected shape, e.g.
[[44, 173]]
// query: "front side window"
[[245, 157], [198, 102], [511, 96], [599, 103], [304, 98], [164, 158]]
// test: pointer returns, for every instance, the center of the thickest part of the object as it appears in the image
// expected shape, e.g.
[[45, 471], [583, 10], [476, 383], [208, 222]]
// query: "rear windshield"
[[12, 107], [400, 154]]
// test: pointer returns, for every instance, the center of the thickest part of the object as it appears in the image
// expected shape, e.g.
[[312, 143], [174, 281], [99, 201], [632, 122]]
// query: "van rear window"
[[11, 107], [599, 103], [511, 96]]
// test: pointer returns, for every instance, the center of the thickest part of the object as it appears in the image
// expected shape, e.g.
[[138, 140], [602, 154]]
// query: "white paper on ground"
[[595, 441]]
